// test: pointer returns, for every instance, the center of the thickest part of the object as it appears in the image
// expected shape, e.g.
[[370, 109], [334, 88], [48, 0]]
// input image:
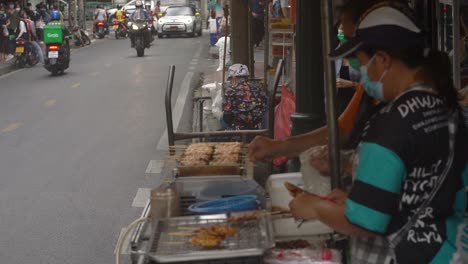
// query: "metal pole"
[[168, 105], [226, 30], [330, 81], [266, 42], [456, 42]]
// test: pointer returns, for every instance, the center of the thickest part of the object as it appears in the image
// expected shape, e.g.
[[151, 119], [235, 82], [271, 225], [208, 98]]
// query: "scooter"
[[81, 37], [57, 58], [100, 29], [25, 55]]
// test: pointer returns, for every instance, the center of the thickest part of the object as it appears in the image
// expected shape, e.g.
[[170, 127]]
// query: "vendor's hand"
[[339, 196], [262, 148], [342, 83], [303, 206]]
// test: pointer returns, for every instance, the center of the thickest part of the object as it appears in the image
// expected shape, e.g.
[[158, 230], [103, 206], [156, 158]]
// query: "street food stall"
[[210, 209]]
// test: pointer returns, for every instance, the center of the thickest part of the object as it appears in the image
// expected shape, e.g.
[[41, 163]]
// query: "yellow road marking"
[[50, 103], [75, 85], [11, 127]]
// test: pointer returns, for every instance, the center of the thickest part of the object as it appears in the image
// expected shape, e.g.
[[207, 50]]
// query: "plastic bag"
[[302, 256], [217, 106], [283, 112], [315, 168]]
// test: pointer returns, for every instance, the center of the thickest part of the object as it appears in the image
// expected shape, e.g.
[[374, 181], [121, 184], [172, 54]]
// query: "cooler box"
[[53, 34], [280, 197]]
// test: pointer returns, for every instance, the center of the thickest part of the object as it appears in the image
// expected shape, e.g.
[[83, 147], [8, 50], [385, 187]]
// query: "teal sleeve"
[[374, 197], [380, 167]]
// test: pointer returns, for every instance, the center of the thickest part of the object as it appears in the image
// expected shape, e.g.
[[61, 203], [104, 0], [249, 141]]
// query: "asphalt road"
[[74, 148]]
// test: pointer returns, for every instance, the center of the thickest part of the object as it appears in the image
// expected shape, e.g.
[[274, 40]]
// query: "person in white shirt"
[[223, 62], [213, 29], [100, 16]]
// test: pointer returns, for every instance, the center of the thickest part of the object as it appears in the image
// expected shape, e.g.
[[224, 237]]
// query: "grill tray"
[[252, 238]]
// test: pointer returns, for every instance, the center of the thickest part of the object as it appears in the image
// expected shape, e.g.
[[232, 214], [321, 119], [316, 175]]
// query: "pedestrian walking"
[[225, 39], [213, 24], [3, 34], [13, 13], [258, 13]]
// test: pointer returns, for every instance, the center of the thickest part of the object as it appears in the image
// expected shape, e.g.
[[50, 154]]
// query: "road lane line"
[[75, 85], [50, 103], [141, 198], [178, 109], [154, 167], [11, 127]]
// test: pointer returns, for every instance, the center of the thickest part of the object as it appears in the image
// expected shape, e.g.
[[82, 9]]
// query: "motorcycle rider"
[[100, 16], [120, 16], [27, 31], [140, 14], [55, 21]]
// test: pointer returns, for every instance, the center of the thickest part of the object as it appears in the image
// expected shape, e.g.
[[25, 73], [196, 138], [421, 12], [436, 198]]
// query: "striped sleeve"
[[374, 197]]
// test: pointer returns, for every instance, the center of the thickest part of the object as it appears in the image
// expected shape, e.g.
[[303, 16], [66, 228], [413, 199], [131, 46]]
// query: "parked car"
[[179, 20]]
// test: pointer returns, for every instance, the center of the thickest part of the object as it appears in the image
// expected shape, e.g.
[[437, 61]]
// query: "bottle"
[[164, 202]]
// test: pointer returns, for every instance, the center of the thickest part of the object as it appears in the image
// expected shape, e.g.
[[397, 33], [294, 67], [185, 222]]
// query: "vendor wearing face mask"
[[413, 154], [347, 76], [263, 148]]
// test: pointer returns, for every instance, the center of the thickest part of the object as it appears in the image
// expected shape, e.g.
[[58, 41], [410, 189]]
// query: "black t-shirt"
[[402, 154]]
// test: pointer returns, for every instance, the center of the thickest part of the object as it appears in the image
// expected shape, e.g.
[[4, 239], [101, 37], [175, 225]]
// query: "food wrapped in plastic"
[[302, 256], [315, 168]]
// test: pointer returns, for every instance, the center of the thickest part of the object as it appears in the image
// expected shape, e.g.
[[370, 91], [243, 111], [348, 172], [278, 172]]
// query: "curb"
[[7, 69]]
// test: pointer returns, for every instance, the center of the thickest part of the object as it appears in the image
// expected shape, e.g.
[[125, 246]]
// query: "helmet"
[[238, 70], [139, 4], [55, 15], [119, 6]]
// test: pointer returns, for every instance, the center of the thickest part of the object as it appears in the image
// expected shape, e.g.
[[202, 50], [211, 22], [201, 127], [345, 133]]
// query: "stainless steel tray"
[[252, 238]]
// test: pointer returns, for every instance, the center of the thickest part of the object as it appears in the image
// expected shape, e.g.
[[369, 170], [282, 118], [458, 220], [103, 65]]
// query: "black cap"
[[382, 26]]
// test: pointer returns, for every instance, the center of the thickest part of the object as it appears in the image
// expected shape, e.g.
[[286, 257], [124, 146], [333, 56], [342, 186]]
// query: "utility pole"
[[72, 14], [240, 32]]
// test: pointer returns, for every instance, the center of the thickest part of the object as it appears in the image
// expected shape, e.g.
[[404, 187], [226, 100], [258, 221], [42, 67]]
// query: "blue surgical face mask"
[[372, 88]]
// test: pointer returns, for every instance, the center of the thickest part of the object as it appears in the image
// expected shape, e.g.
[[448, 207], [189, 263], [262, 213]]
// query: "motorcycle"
[[81, 37], [100, 29], [120, 30], [25, 55], [142, 36], [57, 58]]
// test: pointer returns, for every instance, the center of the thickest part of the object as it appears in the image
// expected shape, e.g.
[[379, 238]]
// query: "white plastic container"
[[280, 197]]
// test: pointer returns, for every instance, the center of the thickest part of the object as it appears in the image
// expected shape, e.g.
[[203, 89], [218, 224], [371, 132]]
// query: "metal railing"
[[174, 136]]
